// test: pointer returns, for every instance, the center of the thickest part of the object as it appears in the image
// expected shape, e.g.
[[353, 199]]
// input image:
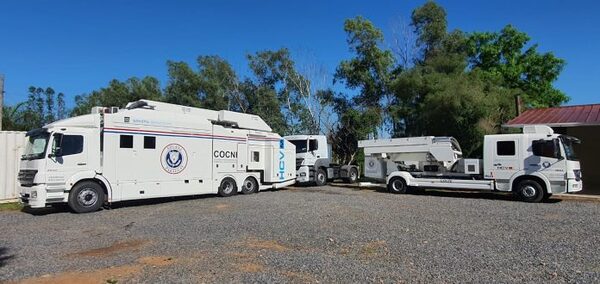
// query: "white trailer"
[[533, 164], [314, 163], [150, 150]]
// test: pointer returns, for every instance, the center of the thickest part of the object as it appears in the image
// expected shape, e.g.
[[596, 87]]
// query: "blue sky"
[[78, 46]]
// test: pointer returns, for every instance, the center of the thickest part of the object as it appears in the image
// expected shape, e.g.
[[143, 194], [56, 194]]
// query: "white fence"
[[12, 144]]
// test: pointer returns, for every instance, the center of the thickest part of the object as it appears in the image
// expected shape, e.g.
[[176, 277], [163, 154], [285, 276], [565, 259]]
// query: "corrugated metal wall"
[[12, 144]]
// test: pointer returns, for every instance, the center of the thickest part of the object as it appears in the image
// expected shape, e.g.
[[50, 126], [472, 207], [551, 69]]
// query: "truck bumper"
[[38, 196], [303, 175], [33, 196], [574, 186]]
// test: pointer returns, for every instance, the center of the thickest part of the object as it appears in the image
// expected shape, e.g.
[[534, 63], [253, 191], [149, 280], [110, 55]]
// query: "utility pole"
[[1, 98]]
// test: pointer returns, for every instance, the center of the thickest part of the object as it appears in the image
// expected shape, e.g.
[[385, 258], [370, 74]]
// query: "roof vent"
[[540, 129]]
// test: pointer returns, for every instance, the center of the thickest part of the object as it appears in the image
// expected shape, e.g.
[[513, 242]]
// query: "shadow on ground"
[[4, 256], [64, 208], [464, 193]]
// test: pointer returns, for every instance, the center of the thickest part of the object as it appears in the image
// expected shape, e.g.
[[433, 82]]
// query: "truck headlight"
[[34, 194]]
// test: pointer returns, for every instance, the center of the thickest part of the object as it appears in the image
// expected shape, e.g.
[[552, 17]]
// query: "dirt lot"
[[326, 234]]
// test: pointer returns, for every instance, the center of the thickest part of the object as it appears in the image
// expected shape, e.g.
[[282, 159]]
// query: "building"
[[581, 121]]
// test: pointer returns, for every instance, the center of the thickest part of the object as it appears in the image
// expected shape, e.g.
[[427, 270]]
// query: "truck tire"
[[228, 187], [530, 191], [397, 185], [321, 177], [86, 196], [250, 186], [352, 175]]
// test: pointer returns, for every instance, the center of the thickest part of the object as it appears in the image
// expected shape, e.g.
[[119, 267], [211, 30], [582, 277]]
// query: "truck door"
[[546, 159], [69, 155], [505, 160]]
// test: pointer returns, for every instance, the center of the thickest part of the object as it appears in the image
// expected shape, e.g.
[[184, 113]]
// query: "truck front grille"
[[26, 177]]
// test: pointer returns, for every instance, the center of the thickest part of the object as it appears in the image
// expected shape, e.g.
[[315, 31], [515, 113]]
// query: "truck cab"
[[314, 161], [537, 154], [56, 157]]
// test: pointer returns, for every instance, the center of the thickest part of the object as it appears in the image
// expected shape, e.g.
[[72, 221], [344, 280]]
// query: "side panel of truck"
[[157, 162]]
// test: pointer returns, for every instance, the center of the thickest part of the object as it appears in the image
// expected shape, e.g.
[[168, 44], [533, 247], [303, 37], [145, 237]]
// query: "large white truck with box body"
[[149, 150], [533, 164], [314, 163]]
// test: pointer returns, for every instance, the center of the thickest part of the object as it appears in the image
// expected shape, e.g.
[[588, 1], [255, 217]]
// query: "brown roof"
[[559, 116]]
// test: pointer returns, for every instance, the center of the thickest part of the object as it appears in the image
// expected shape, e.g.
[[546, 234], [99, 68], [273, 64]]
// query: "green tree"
[[43, 106], [215, 86], [353, 125], [276, 71], [369, 71], [219, 86], [504, 55], [13, 117], [119, 93], [263, 101], [430, 25]]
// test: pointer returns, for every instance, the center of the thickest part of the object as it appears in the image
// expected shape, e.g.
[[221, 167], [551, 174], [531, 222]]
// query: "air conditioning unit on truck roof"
[[152, 149], [533, 164]]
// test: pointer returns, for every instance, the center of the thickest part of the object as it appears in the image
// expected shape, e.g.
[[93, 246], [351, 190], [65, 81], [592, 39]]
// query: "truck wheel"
[[530, 191], [321, 177], [227, 187], [397, 185], [85, 197], [250, 186], [352, 176]]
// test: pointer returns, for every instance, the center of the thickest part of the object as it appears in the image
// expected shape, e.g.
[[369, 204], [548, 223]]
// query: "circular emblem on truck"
[[173, 158]]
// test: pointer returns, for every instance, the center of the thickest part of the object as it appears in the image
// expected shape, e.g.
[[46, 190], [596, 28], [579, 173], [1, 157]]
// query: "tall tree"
[[369, 70], [43, 106], [430, 25], [301, 104]]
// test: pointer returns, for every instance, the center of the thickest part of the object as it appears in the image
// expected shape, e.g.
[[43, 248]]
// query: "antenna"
[[1, 98]]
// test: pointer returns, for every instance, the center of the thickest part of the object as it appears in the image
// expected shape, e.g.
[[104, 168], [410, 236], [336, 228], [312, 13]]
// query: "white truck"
[[313, 161], [148, 150], [533, 164]]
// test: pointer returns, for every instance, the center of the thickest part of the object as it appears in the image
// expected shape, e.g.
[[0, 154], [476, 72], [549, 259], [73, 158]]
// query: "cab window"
[[505, 148], [313, 144], [71, 145], [545, 148]]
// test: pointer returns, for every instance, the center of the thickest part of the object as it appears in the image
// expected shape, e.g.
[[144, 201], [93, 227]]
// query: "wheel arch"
[[94, 177], [539, 179], [105, 189], [404, 175]]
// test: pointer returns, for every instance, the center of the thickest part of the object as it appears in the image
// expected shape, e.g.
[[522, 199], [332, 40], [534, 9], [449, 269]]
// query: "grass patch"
[[13, 206]]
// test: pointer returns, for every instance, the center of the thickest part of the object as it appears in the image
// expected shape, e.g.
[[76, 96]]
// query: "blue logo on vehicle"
[[281, 159], [173, 158]]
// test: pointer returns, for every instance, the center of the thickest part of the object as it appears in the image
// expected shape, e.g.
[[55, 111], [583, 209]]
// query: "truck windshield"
[[301, 146], [36, 144], [568, 143]]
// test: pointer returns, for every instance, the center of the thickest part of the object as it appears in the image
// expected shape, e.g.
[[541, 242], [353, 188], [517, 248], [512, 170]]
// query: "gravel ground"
[[326, 234]]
